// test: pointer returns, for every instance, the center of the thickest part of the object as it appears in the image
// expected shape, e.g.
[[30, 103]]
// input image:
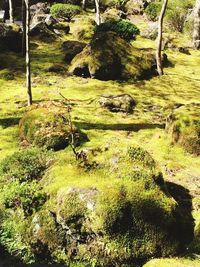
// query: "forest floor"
[[155, 99]]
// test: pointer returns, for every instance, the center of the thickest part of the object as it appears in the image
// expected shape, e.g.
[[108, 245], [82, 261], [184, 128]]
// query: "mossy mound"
[[132, 218], [183, 125], [49, 127], [108, 57]]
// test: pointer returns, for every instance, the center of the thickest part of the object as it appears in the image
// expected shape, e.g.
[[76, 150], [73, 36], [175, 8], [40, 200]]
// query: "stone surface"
[[118, 103]]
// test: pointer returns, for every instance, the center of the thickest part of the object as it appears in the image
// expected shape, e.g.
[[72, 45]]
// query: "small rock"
[[118, 103]]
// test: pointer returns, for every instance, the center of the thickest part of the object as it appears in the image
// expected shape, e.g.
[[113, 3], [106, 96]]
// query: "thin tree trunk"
[[98, 16], [84, 4], [23, 14], [160, 32], [196, 32], [28, 68], [11, 12]]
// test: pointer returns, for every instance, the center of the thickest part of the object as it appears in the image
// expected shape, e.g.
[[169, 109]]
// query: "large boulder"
[[71, 49], [41, 30], [10, 37], [108, 57], [39, 8], [49, 127], [123, 213], [183, 126], [118, 103], [42, 23]]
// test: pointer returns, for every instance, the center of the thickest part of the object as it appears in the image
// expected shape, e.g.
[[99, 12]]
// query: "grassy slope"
[[155, 98]]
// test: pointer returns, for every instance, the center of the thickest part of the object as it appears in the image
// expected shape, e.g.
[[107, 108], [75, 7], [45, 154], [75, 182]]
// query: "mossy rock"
[[48, 127], [118, 103], [62, 26], [108, 57], [10, 37], [71, 49], [57, 68], [183, 126], [46, 236], [130, 216]]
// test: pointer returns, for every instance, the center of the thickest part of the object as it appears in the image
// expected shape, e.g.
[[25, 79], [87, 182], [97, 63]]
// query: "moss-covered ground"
[[145, 127]]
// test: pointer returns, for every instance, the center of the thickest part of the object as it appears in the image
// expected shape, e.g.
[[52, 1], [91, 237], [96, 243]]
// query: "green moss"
[[71, 208], [83, 28]]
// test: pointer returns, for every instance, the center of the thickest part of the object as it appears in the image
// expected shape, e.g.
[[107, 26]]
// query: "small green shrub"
[[25, 165], [13, 233], [26, 195], [177, 13], [176, 18], [123, 28], [66, 11], [152, 11]]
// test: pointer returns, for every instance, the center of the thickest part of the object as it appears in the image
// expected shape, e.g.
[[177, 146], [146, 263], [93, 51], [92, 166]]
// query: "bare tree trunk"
[[196, 32], [11, 12], [23, 14], [28, 67], [160, 31], [98, 16], [84, 4]]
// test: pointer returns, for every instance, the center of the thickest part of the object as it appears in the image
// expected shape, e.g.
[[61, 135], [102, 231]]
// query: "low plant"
[[65, 11], [124, 28], [152, 11], [25, 165], [26, 196]]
